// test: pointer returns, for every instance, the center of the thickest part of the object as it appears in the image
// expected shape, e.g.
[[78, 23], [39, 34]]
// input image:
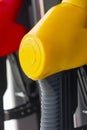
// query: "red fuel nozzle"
[[11, 32], [9, 9]]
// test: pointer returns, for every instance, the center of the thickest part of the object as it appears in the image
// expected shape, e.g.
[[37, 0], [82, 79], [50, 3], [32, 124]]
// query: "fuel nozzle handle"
[[57, 42], [11, 32]]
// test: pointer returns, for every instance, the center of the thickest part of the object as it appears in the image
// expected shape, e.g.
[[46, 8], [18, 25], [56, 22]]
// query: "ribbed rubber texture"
[[51, 103]]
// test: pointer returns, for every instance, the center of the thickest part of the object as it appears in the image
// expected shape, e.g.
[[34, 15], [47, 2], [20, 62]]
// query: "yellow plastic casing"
[[78, 3], [57, 42]]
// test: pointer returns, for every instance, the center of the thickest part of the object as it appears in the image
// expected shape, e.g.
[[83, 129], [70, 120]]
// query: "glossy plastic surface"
[[11, 33], [58, 41]]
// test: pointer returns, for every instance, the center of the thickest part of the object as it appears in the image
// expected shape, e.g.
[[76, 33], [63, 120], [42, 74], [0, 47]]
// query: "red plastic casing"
[[11, 32]]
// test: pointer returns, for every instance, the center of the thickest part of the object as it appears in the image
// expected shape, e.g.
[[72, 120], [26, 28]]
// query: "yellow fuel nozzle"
[[78, 3], [58, 41]]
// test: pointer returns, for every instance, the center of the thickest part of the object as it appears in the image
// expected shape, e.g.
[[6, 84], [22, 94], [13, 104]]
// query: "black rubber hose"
[[1, 115], [3, 86], [51, 103]]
